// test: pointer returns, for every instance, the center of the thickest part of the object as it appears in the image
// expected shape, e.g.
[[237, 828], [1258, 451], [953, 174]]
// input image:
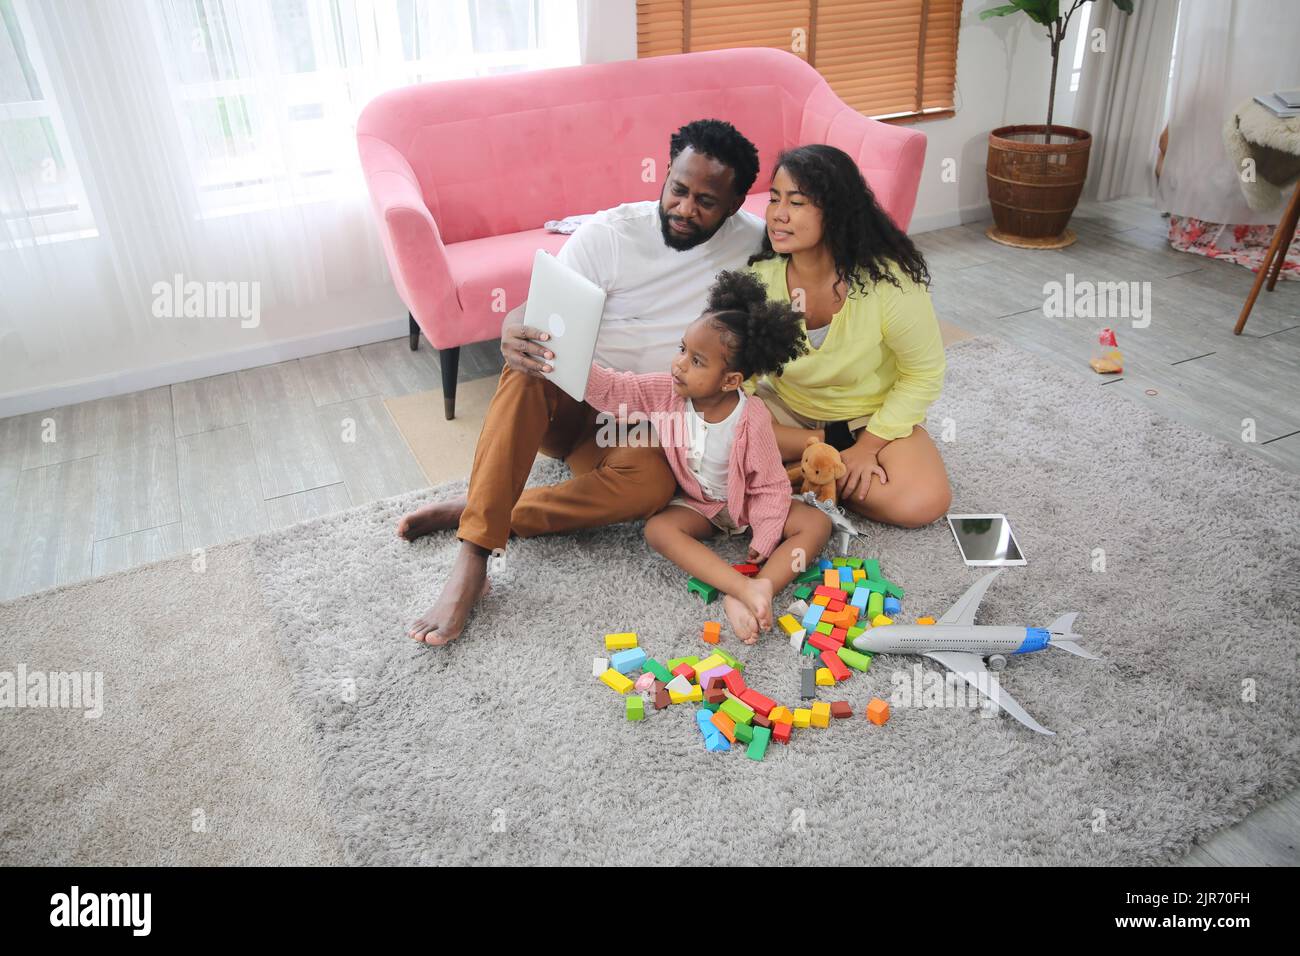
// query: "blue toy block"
[[628, 660], [892, 606], [717, 744], [824, 564], [859, 599], [813, 617]]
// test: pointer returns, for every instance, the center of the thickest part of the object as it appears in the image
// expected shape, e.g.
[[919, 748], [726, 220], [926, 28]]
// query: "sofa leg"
[[414, 332], [450, 361]]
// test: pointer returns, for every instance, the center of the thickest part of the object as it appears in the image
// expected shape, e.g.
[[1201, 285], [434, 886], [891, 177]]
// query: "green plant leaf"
[[1125, 5], [999, 11]]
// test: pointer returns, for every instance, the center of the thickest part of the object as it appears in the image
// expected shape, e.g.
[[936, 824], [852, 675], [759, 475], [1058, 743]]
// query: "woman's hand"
[[861, 462]]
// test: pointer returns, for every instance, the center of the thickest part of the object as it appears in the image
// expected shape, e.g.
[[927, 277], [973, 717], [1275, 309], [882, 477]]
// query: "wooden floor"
[[113, 483]]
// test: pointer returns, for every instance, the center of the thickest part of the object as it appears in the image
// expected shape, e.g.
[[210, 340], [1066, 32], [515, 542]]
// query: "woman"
[[875, 360]]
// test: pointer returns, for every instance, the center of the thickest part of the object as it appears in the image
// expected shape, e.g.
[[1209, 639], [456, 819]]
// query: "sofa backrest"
[[505, 153]]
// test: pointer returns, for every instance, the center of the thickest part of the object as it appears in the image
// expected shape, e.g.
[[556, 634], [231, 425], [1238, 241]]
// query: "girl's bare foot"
[[443, 622], [435, 516], [742, 619], [758, 598]]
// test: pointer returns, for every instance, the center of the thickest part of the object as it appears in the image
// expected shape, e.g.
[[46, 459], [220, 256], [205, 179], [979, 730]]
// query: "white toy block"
[[599, 665]]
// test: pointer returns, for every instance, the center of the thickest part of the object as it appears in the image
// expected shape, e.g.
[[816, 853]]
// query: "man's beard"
[[680, 241]]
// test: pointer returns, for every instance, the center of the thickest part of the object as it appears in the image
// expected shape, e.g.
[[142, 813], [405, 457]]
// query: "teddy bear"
[[820, 468]]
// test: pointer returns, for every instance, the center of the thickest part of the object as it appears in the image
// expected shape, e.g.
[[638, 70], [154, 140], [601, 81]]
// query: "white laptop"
[[569, 306]]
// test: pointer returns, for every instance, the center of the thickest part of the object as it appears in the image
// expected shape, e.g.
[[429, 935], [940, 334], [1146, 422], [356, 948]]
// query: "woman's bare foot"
[[468, 582], [435, 516], [742, 619]]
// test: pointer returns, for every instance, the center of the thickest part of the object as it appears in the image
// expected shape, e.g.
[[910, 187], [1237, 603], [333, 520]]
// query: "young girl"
[[721, 447]]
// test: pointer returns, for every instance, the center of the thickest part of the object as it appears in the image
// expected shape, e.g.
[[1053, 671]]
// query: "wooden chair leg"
[[1267, 264], [1287, 226], [449, 359]]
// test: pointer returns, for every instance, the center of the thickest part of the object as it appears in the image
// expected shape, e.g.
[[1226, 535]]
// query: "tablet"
[[569, 306], [985, 540]]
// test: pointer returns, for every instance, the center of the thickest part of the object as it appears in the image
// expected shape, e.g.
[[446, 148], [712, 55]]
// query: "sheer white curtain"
[[211, 139]]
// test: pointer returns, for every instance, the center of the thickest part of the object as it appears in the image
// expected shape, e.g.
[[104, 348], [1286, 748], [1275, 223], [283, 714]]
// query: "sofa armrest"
[[416, 255], [891, 157]]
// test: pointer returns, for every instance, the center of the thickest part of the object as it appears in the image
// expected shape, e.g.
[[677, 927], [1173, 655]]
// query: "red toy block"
[[712, 632], [748, 570], [839, 670], [781, 733], [823, 642], [835, 605], [735, 683], [841, 708], [839, 634], [685, 670], [757, 702], [835, 594], [715, 695], [758, 720]]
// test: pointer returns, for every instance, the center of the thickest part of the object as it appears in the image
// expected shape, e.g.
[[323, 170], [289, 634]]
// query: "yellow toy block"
[[831, 578], [824, 677], [925, 620], [821, 599], [802, 718], [617, 681], [859, 574], [710, 662], [781, 715], [695, 696], [620, 642], [789, 624], [880, 619], [821, 714]]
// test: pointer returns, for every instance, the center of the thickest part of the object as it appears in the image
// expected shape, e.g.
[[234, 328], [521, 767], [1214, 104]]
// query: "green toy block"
[[876, 587], [744, 733], [808, 650], [809, 576], [758, 746], [855, 631], [803, 593], [730, 661], [678, 661], [855, 659], [875, 605], [736, 711], [854, 563], [652, 666], [838, 562], [635, 707], [712, 708], [825, 628], [872, 567], [848, 587], [893, 590], [707, 592]]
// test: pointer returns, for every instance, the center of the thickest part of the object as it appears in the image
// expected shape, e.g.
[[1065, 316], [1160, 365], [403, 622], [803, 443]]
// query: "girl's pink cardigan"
[[758, 489]]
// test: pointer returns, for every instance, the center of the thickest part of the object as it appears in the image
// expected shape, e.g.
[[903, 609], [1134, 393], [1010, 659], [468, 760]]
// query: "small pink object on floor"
[[645, 681]]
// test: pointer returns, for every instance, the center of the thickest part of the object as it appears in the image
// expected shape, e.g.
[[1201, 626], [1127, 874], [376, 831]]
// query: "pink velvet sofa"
[[464, 173]]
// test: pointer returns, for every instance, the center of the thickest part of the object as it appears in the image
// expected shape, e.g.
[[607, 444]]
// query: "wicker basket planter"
[[1034, 186]]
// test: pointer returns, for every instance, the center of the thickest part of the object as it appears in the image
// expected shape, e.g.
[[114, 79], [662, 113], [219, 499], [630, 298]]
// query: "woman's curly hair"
[[760, 335], [863, 240]]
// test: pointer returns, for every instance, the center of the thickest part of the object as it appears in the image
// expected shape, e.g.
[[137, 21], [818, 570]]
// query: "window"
[[889, 59], [41, 196]]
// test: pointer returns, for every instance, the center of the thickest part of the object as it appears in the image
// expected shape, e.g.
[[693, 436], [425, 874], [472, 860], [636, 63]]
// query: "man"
[[655, 260]]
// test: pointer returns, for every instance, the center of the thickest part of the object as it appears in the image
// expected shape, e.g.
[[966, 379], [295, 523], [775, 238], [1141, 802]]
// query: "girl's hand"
[[753, 556], [861, 464]]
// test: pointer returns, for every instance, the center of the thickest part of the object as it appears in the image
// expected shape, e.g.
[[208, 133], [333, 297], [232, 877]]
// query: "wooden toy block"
[[717, 744], [797, 639], [678, 661], [684, 671], [807, 650], [620, 642], [628, 660], [809, 576], [715, 696], [725, 725], [823, 642], [802, 718], [616, 681], [599, 665], [872, 567], [849, 587], [824, 627], [831, 578], [838, 562], [812, 617], [761, 721], [756, 702], [854, 563], [893, 590], [780, 715], [839, 670], [880, 620], [635, 708], [824, 677], [877, 711], [856, 631], [662, 697], [797, 609], [737, 711], [855, 659], [925, 620], [859, 575], [841, 709], [694, 695], [735, 683], [788, 623], [838, 634], [875, 605], [781, 731], [707, 592], [892, 605], [712, 632], [728, 659], [834, 606], [744, 733], [824, 563], [713, 673], [846, 574], [710, 662], [860, 598], [662, 673], [808, 683], [711, 708], [758, 746], [644, 683], [821, 600], [803, 592], [874, 586], [680, 684], [821, 714], [704, 721], [835, 593], [748, 570]]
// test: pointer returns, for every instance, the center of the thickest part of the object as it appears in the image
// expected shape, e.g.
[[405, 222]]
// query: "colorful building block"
[[616, 681], [715, 696], [780, 715], [877, 711], [662, 697], [707, 592], [839, 670], [802, 717], [893, 589], [841, 709], [680, 685], [821, 600], [797, 609], [644, 683], [781, 732], [599, 665], [855, 563], [855, 659], [808, 683], [748, 570], [710, 662], [685, 671], [713, 673], [925, 620], [859, 575], [620, 642], [809, 576], [824, 677], [813, 616], [737, 711], [758, 746], [694, 696], [725, 725], [628, 660], [789, 624], [712, 632], [831, 578], [652, 666], [744, 733], [892, 605], [821, 714], [831, 593], [730, 661], [761, 721], [824, 563], [833, 606], [756, 702], [803, 592], [635, 707], [824, 642], [875, 605], [735, 683], [860, 598], [881, 620], [676, 662], [872, 567], [717, 744], [838, 562], [824, 627]]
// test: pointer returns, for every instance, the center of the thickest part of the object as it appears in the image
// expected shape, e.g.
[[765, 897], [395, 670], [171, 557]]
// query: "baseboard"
[[268, 353], [942, 220]]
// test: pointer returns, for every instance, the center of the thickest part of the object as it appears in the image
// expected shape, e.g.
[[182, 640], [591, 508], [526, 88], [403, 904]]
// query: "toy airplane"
[[962, 646]]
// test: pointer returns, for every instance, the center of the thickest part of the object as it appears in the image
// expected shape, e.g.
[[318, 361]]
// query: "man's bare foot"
[[435, 516], [468, 582], [742, 619]]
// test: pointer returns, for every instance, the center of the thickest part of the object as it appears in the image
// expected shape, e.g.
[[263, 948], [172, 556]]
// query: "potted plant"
[[1036, 173]]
